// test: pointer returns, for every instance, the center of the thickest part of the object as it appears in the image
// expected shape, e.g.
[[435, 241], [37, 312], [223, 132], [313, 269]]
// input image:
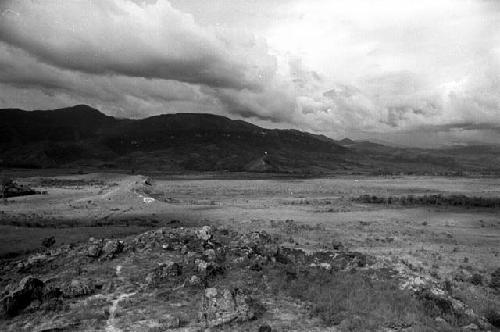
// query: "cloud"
[[390, 70], [138, 39]]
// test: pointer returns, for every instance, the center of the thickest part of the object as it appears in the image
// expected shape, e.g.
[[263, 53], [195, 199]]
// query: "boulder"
[[221, 306], [28, 290]]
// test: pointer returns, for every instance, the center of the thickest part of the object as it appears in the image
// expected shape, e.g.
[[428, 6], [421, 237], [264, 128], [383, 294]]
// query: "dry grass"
[[358, 300]]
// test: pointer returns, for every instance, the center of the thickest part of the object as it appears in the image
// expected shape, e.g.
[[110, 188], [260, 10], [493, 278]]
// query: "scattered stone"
[[210, 255], [164, 271], [168, 247], [95, 247], [194, 281], [205, 233], [221, 306], [201, 265], [112, 248], [78, 288]]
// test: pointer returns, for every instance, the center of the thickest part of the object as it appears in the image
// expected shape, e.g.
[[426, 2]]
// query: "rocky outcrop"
[[28, 290]]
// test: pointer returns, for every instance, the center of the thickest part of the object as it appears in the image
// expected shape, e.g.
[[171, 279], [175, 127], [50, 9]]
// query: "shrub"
[[48, 242], [341, 296], [476, 279]]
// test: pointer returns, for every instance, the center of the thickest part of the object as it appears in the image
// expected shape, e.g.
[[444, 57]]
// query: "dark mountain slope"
[[80, 135]]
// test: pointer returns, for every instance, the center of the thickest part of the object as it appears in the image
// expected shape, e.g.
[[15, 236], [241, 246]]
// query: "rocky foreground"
[[194, 279]]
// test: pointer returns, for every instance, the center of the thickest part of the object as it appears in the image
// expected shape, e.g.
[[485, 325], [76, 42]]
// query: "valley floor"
[[452, 246]]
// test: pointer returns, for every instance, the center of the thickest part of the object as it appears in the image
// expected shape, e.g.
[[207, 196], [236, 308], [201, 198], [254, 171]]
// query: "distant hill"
[[81, 136]]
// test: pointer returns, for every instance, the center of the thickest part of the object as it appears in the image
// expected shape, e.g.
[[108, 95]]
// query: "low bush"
[[359, 300]]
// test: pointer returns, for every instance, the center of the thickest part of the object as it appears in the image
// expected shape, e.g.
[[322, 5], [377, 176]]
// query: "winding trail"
[[111, 323]]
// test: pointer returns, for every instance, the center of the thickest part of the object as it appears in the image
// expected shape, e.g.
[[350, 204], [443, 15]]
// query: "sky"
[[417, 73]]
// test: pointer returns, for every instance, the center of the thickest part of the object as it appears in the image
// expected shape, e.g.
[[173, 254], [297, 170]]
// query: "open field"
[[453, 246]]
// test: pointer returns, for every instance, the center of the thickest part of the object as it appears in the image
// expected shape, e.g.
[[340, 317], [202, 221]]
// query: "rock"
[[205, 233], [221, 306], [29, 289], [35, 260], [171, 269], [194, 281], [79, 288], [471, 327], [112, 248], [167, 246], [210, 255], [201, 265], [265, 328], [164, 271], [95, 248]]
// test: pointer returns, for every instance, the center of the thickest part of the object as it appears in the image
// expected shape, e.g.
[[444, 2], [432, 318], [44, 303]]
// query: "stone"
[[163, 271], [471, 327], [210, 255], [194, 281], [95, 248], [221, 306], [28, 290], [112, 248], [171, 269], [201, 265], [205, 233], [78, 288]]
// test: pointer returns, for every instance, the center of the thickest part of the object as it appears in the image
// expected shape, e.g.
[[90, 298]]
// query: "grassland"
[[454, 245]]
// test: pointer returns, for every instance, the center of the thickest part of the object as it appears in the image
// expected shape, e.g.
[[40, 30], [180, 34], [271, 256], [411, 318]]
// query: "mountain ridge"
[[82, 136]]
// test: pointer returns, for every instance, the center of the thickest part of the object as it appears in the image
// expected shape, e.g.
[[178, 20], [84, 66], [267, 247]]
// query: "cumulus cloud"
[[140, 39]]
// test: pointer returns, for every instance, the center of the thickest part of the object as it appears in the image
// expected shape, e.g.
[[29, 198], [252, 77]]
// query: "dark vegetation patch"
[[18, 241], [359, 300], [47, 182], [433, 200]]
